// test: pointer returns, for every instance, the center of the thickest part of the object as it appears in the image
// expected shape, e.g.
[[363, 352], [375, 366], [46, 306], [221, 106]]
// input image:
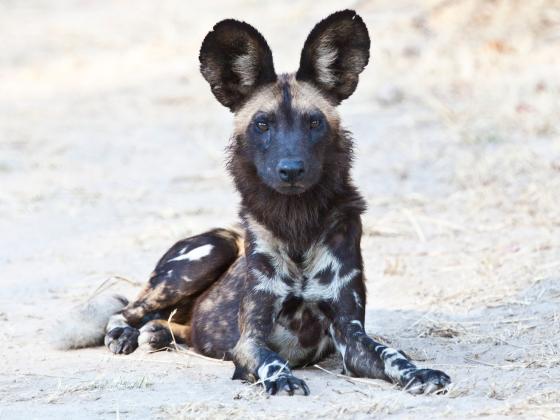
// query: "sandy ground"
[[111, 149]]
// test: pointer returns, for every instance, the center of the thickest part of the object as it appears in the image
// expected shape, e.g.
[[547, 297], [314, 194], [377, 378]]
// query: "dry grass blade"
[[171, 315], [111, 282], [356, 381], [183, 350], [274, 376], [415, 225]]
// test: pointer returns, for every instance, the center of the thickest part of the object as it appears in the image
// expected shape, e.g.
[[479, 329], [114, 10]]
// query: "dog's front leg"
[[253, 359], [361, 355], [364, 357]]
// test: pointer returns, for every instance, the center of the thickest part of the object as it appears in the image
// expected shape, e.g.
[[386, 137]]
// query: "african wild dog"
[[287, 288]]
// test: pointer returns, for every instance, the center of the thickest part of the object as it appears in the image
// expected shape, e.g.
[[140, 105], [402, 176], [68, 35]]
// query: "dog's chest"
[[318, 276], [300, 329]]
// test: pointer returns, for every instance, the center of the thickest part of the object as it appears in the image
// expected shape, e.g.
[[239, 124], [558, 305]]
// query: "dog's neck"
[[300, 221]]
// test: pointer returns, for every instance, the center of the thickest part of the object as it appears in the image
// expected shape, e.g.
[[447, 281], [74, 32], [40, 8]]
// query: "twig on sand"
[[44, 375], [415, 225], [350, 379], [145, 359], [493, 365]]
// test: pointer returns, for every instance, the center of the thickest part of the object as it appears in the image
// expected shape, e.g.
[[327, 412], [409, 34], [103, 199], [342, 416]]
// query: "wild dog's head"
[[287, 131]]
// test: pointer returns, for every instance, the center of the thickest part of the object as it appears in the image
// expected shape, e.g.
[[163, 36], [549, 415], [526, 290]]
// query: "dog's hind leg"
[[186, 270]]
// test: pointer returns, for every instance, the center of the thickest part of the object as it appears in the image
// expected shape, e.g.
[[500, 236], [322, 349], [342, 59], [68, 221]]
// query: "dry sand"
[[111, 149]]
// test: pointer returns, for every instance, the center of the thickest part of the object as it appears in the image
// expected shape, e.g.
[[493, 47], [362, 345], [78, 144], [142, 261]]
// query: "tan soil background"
[[111, 149]]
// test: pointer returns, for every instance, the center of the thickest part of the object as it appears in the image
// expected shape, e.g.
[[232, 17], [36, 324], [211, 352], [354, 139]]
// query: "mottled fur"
[[288, 288]]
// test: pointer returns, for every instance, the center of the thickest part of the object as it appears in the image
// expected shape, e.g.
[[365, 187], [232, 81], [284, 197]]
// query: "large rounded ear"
[[235, 60], [334, 54]]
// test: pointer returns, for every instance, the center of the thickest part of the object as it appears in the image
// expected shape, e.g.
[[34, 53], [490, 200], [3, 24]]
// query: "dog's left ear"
[[334, 54]]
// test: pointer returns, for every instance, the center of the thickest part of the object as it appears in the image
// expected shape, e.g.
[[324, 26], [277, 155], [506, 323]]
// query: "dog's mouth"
[[291, 189]]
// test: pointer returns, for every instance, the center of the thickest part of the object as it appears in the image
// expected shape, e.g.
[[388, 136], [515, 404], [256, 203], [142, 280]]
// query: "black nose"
[[290, 170]]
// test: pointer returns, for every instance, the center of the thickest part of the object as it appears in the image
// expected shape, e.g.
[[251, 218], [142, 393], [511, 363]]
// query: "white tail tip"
[[84, 325]]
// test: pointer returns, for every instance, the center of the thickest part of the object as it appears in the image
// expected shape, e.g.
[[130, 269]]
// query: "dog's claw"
[[286, 383], [427, 381]]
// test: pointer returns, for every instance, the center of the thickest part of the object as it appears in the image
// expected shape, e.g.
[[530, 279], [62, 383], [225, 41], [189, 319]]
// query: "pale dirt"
[[111, 149]]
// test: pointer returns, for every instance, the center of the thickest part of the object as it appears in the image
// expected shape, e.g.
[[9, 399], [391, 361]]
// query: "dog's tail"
[[84, 325]]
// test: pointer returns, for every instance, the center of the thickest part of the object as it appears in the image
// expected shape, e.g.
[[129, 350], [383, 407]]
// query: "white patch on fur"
[[341, 347], [84, 325], [272, 285], [318, 259], [194, 254], [267, 244], [357, 299], [358, 323], [389, 355], [116, 321], [326, 56], [245, 67], [262, 371], [316, 291]]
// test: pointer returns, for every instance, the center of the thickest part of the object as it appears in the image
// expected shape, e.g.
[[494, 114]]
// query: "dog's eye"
[[314, 123], [262, 126]]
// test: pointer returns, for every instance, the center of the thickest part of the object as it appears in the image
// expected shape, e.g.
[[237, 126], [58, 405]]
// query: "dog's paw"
[[154, 336], [427, 381], [122, 340], [277, 377], [285, 384]]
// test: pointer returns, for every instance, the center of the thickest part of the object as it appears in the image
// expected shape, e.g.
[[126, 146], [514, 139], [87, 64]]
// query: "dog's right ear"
[[235, 60]]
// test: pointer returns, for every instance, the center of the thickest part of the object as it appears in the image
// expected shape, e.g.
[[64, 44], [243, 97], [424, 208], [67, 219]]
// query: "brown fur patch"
[[305, 98]]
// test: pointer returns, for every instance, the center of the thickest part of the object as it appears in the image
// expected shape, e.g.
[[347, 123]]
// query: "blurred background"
[[112, 148]]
